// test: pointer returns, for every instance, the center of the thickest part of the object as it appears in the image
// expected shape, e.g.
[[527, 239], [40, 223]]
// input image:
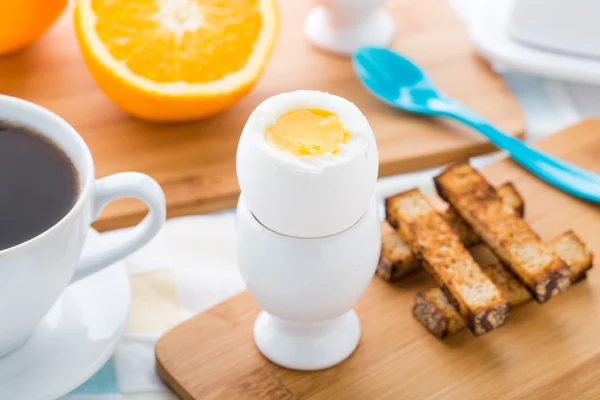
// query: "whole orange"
[[23, 21]]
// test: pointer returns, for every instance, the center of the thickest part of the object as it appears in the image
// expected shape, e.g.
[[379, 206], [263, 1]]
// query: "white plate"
[[74, 340], [490, 32]]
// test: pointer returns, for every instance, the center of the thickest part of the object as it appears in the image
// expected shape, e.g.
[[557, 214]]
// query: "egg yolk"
[[308, 132]]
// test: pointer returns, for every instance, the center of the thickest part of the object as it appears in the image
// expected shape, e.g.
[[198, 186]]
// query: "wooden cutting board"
[[195, 162], [550, 350]]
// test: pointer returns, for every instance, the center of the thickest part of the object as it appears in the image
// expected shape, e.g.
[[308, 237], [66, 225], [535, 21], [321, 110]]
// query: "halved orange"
[[175, 60]]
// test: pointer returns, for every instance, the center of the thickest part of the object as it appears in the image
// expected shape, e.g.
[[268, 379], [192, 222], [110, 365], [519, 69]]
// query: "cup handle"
[[131, 185]]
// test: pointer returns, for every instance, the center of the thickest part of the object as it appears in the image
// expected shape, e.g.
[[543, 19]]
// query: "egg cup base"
[[307, 346]]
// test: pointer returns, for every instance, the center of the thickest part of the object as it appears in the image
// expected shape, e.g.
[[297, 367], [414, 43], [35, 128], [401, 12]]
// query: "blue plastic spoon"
[[400, 83]]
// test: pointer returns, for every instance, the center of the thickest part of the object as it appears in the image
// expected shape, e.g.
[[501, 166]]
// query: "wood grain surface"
[[544, 351], [195, 162]]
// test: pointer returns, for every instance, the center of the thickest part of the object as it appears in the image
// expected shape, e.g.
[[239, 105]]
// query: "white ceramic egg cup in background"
[[344, 26], [308, 233]]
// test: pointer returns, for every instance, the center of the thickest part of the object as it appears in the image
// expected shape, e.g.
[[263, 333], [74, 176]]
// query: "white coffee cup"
[[34, 273]]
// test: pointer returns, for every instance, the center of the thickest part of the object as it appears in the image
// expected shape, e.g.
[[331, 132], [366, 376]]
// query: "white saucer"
[[74, 340], [490, 33]]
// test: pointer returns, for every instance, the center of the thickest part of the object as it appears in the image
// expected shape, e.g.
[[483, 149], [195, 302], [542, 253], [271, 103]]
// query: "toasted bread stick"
[[433, 310], [508, 195], [433, 241], [397, 259], [508, 235], [571, 249]]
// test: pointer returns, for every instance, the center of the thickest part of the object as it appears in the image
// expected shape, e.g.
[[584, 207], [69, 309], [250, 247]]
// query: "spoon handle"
[[565, 176]]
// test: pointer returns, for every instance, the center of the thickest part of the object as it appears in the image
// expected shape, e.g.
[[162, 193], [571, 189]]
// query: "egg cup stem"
[[307, 346], [343, 27]]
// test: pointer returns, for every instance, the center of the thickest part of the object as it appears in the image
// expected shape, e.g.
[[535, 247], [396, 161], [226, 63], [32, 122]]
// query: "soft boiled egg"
[[307, 164]]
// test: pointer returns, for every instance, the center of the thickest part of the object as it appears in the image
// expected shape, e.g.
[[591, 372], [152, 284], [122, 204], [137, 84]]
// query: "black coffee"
[[38, 184]]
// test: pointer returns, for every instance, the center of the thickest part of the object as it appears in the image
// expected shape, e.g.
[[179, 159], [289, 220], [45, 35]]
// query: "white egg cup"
[[307, 288], [344, 26]]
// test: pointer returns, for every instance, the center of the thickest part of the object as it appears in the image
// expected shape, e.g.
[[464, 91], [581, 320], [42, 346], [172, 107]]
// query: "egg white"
[[307, 196]]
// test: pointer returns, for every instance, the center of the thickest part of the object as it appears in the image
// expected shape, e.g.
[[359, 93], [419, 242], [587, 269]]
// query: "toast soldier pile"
[[470, 295]]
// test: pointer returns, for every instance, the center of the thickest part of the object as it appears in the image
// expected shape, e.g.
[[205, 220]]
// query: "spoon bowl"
[[394, 80], [407, 88]]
